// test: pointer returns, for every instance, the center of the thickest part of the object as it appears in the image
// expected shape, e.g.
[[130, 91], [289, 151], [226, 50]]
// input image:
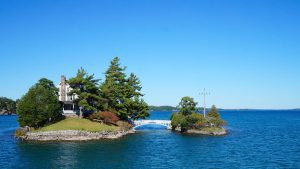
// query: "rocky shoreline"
[[212, 133], [204, 132], [6, 113], [72, 135]]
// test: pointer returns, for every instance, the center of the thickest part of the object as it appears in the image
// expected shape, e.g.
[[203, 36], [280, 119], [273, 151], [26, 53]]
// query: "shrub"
[[106, 117], [176, 119], [217, 122], [195, 120], [179, 120], [124, 126]]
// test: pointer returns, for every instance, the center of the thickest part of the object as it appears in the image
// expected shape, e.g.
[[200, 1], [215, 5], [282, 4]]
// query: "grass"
[[78, 124]]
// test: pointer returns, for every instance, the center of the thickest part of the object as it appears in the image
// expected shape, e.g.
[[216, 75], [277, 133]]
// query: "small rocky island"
[[187, 120]]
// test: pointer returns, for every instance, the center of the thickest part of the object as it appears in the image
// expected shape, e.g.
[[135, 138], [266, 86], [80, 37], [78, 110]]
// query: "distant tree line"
[[163, 108], [117, 97], [170, 108], [7, 106]]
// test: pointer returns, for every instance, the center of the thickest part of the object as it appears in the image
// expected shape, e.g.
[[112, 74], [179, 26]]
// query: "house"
[[69, 107]]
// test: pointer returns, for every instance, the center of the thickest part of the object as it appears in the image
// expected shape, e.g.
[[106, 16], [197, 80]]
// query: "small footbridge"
[[166, 123]]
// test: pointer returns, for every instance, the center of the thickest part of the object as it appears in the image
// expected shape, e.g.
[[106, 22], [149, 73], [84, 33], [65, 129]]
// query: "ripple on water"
[[257, 139]]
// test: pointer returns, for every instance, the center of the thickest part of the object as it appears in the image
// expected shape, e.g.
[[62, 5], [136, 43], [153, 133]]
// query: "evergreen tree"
[[213, 113], [187, 106], [121, 95], [135, 106], [214, 117], [39, 106], [87, 90]]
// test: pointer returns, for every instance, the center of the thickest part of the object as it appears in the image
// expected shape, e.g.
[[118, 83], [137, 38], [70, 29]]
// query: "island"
[[187, 120], [82, 108]]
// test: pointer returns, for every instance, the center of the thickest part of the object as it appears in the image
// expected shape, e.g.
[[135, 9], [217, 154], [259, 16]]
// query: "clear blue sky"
[[246, 53]]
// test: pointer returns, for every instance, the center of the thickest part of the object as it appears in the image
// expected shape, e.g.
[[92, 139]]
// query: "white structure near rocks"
[[166, 123], [69, 108]]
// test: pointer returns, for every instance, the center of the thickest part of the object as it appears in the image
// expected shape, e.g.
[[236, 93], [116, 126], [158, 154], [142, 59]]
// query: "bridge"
[[166, 123]]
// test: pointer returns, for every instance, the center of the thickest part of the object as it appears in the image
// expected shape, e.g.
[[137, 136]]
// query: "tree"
[[214, 117], [87, 90], [135, 106], [48, 84], [112, 90], [8, 105], [122, 95], [39, 106], [187, 106]]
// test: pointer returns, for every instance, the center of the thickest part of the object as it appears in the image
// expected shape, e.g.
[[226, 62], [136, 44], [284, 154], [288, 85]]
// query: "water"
[[257, 139]]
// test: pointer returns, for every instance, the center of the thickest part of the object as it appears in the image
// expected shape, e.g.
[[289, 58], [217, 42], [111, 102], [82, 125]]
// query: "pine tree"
[[214, 117], [87, 90], [113, 88], [122, 95]]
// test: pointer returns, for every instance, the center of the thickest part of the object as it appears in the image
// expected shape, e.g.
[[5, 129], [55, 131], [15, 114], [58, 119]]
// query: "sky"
[[245, 53]]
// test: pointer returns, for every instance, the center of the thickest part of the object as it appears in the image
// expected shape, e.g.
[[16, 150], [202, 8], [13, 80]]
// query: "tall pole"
[[204, 93]]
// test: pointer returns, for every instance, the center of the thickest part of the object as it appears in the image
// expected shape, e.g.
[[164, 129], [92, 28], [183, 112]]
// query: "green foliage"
[[7, 104], [105, 117], [187, 106], [187, 118], [122, 95], [87, 89], [39, 106], [196, 120], [214, 117], [178, 120], [48, 84], [213, 113]]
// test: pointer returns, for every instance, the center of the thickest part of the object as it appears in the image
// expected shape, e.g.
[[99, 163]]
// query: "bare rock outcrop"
[[72, 135]]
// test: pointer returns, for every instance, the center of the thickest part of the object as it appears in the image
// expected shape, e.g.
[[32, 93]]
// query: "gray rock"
[[73, 135]]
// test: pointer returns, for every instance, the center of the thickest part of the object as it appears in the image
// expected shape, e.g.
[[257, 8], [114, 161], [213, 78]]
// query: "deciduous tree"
[[40, 105], [187, 106]]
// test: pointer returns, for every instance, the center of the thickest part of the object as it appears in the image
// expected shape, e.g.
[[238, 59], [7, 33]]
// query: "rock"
[[73, 135], [203, 132], [6, 112]]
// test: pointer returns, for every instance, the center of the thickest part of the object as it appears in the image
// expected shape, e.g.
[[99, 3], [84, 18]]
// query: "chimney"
[[63, 88]]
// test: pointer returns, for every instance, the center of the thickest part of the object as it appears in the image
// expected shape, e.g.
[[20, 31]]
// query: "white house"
[[69, 107]]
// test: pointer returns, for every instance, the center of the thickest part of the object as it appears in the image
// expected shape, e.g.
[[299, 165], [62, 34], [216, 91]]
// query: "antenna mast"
[[204, 93]]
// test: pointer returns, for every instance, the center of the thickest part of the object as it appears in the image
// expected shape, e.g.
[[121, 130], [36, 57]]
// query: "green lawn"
[[78, 124]]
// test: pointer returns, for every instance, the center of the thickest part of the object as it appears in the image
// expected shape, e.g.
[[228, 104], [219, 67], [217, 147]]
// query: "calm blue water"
[[257, 139]]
